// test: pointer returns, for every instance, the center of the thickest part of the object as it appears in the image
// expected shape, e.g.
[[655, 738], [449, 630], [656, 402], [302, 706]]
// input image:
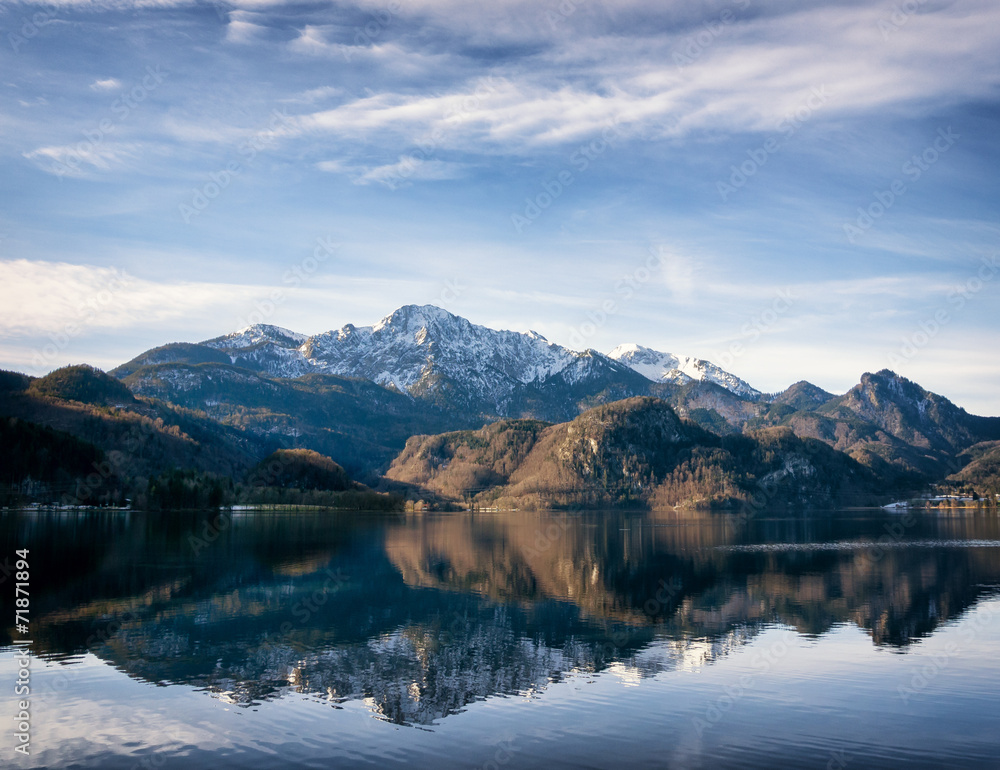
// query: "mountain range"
[[368, 397], [429, 353]]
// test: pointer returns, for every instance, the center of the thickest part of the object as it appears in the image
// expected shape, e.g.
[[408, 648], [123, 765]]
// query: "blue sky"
[[790, 189]]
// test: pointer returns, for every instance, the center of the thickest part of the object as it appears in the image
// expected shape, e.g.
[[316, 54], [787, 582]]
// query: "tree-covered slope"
[[636, 452]]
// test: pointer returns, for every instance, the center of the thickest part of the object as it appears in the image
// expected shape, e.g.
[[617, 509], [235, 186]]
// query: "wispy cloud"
[[45, 297], [612, 121], [406, 170], [74, 159], [108, 84], [758, 74], [243, 29]]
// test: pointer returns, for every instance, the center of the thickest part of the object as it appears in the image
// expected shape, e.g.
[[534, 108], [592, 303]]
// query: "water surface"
[[844, 639]]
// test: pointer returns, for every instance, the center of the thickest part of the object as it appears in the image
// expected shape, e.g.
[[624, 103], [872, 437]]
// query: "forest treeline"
[[81, 437]]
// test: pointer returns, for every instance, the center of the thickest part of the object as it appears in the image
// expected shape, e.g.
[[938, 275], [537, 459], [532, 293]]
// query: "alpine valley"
[[426, 406]]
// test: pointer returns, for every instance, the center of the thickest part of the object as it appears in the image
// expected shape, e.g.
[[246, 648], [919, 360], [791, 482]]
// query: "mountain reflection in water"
[[421, 615]]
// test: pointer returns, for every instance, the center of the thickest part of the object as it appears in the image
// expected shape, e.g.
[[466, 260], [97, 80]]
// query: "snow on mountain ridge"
[[256, 334], [667, 367], [422, 348], [415, 344]]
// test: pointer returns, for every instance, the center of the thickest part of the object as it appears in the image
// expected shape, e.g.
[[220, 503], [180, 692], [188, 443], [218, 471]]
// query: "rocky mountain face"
[[981, 469], [680, 370], [886, 422], [634, 452], [916, 416], [358, 393], [435, 356], [802, 395]]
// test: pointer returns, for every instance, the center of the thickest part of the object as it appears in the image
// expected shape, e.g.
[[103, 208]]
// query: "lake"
[[859, 639]]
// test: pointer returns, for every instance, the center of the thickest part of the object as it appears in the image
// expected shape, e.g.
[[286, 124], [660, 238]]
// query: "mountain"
[[358, 393], [912, 414], [416, 347], [265, 348], [712, 406], [84, 384], [637, 453], [173, 353], [301, 469], [135, 438], [80, 437], [179, 434], [666, 367], [443, 359], [981, 471], [36, 459], [358, 423], [886, 422], [802, 395]]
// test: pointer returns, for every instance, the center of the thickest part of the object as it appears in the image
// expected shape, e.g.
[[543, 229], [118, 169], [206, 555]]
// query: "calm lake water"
[[601, 640]]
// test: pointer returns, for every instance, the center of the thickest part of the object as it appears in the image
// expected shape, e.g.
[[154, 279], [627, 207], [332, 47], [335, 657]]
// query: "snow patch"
[[667, 367]]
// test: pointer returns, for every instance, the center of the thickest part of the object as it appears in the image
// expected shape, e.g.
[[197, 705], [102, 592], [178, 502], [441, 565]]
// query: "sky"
[[792, 189]]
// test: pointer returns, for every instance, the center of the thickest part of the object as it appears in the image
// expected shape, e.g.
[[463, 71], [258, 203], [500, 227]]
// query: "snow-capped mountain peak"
[[257, 334], [667, 367], [419, 342], [415, 317], [423, 349]]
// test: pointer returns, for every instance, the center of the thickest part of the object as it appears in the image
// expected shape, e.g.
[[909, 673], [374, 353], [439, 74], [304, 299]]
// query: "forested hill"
[[635, 452], [79, 437], [199, 429]]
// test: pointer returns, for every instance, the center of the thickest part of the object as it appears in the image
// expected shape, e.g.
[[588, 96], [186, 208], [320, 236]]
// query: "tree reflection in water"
[[420, 616]]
